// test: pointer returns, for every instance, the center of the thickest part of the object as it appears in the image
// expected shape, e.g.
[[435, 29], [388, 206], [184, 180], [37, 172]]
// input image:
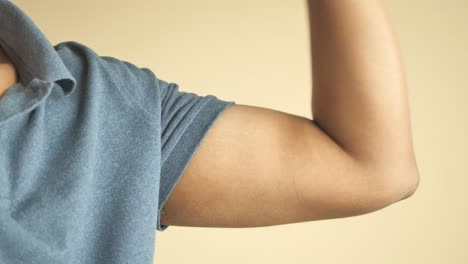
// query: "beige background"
[[257, 52]]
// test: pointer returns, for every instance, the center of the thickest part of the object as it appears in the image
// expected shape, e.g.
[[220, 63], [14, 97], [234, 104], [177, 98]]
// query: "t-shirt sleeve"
[[185, 120]]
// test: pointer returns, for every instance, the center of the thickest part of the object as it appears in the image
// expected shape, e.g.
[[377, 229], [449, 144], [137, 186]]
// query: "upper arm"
[[259, 167]]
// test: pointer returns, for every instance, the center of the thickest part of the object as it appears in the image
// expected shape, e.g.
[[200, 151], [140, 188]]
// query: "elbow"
[[389, 185], [401, 186], [412, 185], [385, 188]]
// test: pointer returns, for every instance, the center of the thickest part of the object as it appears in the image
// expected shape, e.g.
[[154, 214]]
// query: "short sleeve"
[[185, 120]]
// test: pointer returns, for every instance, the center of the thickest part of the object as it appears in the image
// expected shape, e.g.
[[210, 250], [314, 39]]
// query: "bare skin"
[[262, 167], [8, 74]]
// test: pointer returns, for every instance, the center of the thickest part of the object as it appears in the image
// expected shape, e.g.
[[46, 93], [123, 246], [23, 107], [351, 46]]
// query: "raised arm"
[[259, 167]]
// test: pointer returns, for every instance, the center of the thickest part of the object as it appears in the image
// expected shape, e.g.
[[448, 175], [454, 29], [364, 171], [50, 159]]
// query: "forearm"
[[359, 88]]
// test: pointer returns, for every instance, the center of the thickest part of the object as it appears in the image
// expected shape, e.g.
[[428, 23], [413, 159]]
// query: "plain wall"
[[257, 53]]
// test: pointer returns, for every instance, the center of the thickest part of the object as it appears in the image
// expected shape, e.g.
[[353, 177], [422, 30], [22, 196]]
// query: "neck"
[[8, 74]]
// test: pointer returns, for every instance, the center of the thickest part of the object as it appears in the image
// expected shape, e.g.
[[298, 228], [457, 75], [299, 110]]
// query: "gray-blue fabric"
[[91, 148]]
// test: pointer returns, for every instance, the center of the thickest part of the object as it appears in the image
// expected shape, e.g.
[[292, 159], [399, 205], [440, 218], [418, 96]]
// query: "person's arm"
[[260, 167]]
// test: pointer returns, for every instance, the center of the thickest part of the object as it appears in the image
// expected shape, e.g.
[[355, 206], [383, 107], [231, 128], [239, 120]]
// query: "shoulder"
[[72, 51], [134, 85], [77, 54]]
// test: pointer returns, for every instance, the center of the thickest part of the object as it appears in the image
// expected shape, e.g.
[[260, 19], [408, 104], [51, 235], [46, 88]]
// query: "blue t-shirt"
[[91, 148]]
